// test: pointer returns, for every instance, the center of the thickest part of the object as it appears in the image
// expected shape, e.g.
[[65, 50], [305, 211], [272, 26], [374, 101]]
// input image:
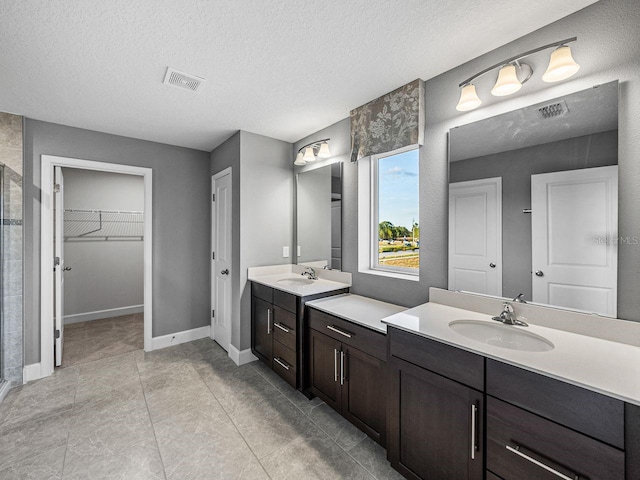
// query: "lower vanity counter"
[[463, 409], [347, 358]]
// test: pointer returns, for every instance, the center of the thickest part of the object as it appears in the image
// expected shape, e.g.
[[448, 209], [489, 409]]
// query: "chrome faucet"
[[310, 273], [519, 298], [508, 316]]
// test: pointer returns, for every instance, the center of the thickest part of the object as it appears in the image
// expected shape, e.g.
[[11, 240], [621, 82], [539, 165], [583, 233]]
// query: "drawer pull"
[[335, 364], [517, 451], [268, 321], [474, 416], [281, 327], [342, 375], [337, 330], [281, 363]]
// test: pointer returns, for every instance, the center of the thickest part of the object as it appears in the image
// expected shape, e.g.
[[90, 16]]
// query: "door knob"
[[66, 269], [492, 265], [225, 272], [539, 273]]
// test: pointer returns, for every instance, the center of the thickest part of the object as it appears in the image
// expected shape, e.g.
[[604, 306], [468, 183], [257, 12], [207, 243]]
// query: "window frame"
[[374, 265]]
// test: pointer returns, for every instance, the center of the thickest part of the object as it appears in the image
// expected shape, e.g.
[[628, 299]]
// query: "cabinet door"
[[262, 329], [324, 368], [364, 392], [434, 425]]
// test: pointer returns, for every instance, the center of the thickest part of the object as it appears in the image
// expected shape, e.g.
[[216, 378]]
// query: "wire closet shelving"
[[103, 225]]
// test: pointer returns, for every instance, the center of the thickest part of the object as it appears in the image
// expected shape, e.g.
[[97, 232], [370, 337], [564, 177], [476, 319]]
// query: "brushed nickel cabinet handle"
[[281, 363], [335, 364], [337, 330], [342, 376], [281, 327], [517, 451], [268, 321], [474, 416]]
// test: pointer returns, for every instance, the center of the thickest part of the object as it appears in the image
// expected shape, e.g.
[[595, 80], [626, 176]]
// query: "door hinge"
[[56, 261], [56, 188], [213, 313], [57, 333], [213, 255], [213, 197]]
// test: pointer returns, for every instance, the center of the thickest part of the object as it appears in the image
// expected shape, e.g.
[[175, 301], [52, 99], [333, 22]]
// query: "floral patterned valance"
[[392, 121]]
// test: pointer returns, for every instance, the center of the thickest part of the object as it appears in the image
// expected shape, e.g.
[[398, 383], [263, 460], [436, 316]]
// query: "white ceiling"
[[281, 68]]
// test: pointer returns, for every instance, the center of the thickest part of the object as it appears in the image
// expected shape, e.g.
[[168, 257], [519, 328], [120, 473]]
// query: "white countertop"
[[361, 310], [603, 366], [270, 276]]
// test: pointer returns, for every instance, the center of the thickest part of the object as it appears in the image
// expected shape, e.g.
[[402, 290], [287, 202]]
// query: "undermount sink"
[[498, 335], [295, 281]]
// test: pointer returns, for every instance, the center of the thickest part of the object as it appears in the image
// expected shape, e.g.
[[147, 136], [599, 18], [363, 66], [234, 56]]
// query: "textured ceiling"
[[278, 68]]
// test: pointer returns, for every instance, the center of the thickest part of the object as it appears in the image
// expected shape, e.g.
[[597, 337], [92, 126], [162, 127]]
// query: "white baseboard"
[[180, 337], [100, 314], [4, 389], [241, 357], [31, 372]]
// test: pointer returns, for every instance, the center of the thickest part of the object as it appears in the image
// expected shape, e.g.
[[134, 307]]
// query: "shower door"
[[1, 271]]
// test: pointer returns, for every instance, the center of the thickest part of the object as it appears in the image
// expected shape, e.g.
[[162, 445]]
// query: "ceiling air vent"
[[180, 79], [553, 110]]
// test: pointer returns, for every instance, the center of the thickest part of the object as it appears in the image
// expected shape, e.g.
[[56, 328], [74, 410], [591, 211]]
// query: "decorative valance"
[[388, 123]]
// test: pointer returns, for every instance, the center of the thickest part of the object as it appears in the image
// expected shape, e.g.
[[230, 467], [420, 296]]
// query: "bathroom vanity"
[[468, 406], [278, 297]]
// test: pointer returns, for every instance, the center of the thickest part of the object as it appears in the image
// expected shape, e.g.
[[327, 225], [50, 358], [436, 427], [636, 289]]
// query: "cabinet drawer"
[[519, 443], [451, 362], [284, 363], [354, 335], [284, 327], [285, 300], [587, 412], [262, 291]]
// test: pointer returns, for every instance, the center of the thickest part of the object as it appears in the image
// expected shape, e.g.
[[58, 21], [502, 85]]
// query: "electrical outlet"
[[285, 252]]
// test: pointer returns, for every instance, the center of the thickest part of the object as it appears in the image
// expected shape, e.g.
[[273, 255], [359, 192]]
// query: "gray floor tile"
[[139, 462], [45, 466], [22, 440], [337, 427], [313, 458], [173, 400], [374, 460]]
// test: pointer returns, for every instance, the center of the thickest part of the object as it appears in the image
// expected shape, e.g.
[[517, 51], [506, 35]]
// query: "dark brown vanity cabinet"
[[276, 330], [435, 413], [541, 428], [347, 369]]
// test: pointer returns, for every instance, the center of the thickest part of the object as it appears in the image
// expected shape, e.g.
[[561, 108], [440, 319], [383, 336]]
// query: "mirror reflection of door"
[[475, 236], [574, 248]]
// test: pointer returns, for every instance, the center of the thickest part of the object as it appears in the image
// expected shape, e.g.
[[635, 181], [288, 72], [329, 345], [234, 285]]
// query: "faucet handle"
[[507, 307]]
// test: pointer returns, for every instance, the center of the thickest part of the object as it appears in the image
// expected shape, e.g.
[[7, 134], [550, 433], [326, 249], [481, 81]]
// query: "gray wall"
[[181, 220], [266, 211], [608, 49], [105, 274], [516, 167], [262, 214]]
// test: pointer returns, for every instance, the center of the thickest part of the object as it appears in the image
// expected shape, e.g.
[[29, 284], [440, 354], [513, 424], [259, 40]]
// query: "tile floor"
[[184, 412], [89, 341]]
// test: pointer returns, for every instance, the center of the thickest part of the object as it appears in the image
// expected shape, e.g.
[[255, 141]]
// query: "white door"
[[475, 236], [574, 245], [58, 246], [221, 259]]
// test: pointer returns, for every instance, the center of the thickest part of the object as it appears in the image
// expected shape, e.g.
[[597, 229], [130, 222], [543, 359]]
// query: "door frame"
[[214, 225], [48, 162]]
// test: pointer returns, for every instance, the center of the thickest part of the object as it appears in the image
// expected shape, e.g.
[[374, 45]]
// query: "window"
[[395, 208]]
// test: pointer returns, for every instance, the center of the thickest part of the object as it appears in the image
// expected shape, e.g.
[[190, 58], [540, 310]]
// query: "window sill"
[[384, 273]]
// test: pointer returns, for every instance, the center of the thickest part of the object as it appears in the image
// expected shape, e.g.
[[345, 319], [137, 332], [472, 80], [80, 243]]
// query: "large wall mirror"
[[533, 203], [319, 217]]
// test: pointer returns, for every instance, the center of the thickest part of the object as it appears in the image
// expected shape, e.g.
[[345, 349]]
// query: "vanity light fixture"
[[309, 152], [513, 73]]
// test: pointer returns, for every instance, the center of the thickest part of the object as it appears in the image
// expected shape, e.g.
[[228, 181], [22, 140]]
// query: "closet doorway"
[[96, 221]]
